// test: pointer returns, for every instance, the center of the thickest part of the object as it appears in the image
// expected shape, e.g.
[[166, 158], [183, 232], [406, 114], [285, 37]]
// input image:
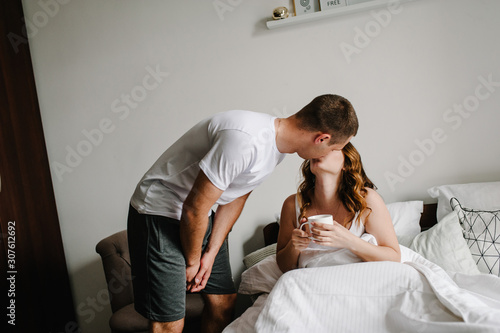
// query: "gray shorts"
[[159, 267]]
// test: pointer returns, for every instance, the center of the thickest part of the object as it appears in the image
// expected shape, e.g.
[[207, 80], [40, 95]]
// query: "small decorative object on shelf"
[[305, 6], [280, 13], [342, 7], [331, 4]]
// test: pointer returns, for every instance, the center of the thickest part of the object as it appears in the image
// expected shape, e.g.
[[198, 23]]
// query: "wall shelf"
[[369, 5]]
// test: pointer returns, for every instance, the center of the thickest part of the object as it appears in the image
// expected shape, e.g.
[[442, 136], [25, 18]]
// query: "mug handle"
[[307, 222]]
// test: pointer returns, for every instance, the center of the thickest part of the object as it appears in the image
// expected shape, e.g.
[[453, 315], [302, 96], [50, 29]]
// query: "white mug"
[[323, 218]]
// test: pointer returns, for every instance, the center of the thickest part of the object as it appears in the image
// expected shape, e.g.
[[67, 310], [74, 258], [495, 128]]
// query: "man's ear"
[[323, 137]]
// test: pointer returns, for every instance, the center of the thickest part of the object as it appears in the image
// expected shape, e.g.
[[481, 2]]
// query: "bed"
[[447, 280]]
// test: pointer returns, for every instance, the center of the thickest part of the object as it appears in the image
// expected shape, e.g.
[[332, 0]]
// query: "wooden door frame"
[[42, 292]]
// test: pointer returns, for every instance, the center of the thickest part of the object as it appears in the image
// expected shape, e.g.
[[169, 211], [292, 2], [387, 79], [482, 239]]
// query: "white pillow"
[[406, 219], [444, 245], [480, 196], [261, 277]]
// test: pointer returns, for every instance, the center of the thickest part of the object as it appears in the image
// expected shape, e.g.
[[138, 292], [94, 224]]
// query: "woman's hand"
[[300, 239], [334, 235]]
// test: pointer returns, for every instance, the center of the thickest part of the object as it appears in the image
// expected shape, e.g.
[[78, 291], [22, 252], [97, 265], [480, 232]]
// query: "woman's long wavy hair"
[[352, 187]]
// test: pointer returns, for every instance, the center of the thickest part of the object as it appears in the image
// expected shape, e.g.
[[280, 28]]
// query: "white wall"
[[404, 80]]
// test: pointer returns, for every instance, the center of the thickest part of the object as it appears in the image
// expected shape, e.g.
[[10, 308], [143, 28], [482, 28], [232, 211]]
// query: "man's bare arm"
[[224, 220], [194, 222]]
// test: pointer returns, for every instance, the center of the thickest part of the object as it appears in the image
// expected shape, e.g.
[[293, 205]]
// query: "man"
[[176, 244]]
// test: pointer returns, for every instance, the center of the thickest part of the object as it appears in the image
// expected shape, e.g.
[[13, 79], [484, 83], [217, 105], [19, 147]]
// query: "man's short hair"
[[330, 114]]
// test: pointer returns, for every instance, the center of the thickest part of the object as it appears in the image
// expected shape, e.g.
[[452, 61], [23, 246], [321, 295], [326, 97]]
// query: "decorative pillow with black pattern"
[[481, 230]]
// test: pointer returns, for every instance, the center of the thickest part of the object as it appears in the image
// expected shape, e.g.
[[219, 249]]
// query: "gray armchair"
[[116, 263]]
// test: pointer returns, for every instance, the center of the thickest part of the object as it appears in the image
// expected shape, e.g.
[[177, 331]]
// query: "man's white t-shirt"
[[235, 149]]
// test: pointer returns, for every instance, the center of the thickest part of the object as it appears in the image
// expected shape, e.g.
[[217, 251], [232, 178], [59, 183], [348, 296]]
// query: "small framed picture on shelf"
[[332, 4], [303, 7]]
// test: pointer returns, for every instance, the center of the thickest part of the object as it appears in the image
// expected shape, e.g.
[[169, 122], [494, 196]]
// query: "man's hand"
[[191, 272], [200, 279]]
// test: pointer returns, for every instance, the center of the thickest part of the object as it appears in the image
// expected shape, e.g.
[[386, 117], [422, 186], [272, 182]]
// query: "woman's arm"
[[377, 223], [290, 239]]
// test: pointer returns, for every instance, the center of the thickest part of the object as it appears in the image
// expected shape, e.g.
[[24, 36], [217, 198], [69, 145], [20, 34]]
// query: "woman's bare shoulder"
[[290, 201], [373, 199]]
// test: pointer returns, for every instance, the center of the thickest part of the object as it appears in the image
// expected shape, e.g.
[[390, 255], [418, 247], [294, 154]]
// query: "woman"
[[336, 184]]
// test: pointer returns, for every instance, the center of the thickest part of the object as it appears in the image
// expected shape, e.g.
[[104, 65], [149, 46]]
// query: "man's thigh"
[[158, 267]]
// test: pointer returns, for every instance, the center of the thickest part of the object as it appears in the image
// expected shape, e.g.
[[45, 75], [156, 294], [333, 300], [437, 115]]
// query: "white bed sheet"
[[413, 296]]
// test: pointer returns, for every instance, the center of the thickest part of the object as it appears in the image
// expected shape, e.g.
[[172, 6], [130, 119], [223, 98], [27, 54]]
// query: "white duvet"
[[413, 296]]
